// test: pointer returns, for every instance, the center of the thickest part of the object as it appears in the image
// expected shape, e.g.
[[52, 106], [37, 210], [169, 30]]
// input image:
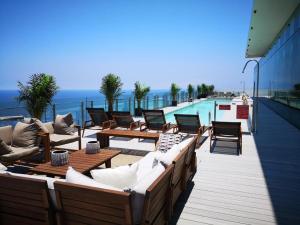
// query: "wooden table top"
[[79, 160], [129, 133]]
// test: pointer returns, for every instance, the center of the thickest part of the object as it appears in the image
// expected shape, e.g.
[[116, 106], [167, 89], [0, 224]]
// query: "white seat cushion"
[[75, 177], [139, 191], [123, 177]]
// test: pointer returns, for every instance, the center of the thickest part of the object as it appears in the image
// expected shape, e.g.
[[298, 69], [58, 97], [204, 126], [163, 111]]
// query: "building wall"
[[280, 68]]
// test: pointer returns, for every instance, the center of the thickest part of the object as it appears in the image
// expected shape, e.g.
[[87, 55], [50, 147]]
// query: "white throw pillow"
[[185, 143], [2, 167], [169, 156], [75, 177], [145, 165], [146, 182], [122, 177]]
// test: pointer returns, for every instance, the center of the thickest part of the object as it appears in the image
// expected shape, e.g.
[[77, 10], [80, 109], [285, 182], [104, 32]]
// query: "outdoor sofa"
[[87, 204], [20, 142]]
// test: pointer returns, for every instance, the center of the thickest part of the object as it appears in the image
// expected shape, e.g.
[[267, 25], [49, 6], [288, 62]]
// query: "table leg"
[[104, 141], [108, 163]]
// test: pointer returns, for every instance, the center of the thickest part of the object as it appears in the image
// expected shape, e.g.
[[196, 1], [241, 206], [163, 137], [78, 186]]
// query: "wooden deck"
[[262, 186]]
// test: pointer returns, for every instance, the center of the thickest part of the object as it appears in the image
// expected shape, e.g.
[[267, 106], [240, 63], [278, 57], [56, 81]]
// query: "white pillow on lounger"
[[122, 177], [75, 177]]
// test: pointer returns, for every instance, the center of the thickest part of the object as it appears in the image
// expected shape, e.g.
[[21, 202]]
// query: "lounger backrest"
[[154, 119], [230, 129], [98, 115], [123, 119], [24, 201], [158, 199], [187, 123], [83, 205]]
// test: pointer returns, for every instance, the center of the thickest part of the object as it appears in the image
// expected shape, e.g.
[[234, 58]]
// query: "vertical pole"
[[147, 102], [257, 89], [129, 105], [209, 118], [215, 110], [253, 109], [92, 104], [117, 102], [82, 112], [53, 112]]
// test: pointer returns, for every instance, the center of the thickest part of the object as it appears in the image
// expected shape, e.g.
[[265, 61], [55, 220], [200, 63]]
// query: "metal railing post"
[[82, 112], [129, 105], [147, 102], [134, 104], [117, 102], [92, 104], [215, 110], [54, 111], [209, 118]]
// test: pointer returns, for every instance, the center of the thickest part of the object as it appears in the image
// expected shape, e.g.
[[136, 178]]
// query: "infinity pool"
[[202, 108]]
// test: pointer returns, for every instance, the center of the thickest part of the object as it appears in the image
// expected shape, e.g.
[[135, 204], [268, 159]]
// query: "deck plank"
[[262, 186]]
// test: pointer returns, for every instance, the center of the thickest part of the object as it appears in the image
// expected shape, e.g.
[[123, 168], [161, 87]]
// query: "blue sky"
[[155, 42]]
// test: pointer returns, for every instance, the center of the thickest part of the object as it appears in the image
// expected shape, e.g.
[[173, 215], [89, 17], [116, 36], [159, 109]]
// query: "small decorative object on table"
[[92, 147], [59, 157]]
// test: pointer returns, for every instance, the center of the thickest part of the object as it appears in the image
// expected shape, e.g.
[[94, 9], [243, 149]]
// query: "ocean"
[[71, 101]]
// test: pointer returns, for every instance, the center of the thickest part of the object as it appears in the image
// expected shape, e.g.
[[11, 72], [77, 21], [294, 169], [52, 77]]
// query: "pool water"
[[202, 108]]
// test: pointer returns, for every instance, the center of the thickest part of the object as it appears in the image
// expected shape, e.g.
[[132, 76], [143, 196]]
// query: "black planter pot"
[[198, 96], [174, 103], [138, 112]]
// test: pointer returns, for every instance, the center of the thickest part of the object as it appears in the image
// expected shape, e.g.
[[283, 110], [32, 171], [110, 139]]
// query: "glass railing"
[[78, 108]]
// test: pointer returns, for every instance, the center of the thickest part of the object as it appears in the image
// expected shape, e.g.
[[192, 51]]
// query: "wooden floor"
[[260, 187]]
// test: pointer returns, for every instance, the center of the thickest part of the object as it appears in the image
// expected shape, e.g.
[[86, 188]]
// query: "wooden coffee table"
[[103, 136], [80, 161]]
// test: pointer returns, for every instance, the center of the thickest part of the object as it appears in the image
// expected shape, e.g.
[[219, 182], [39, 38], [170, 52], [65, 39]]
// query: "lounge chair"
[[226, 131], [99, 120], [189, 124], [25, 201], [155, 120], [124, 120]]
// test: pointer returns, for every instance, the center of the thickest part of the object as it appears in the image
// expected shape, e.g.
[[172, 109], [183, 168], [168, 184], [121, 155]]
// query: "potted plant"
[[203, 90], [174, 92], [190, 91], [37, 93], [140, 92], [210, 89], [111, 88], [198, 91]]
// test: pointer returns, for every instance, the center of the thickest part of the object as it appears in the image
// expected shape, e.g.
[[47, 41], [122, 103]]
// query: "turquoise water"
[[202, 108]]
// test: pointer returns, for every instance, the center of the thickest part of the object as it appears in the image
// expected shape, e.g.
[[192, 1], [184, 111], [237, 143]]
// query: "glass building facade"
[[280, 68]]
